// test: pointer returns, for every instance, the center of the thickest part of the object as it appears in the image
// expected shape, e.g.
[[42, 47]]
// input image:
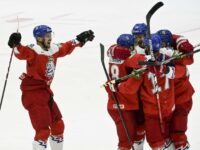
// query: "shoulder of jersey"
[[52, 50]]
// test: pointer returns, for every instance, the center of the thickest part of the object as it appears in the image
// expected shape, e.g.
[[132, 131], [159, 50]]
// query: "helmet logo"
[[163, 32], [158, 45], [127, 38]]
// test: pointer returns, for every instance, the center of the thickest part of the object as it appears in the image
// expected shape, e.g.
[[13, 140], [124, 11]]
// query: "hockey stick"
[[168, 60], [102, 48], [7, 74], [124, 77], [148, 18], [144, 68]]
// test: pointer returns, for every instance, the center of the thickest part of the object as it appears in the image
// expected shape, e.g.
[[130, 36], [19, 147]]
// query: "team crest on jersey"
[[50, 67]]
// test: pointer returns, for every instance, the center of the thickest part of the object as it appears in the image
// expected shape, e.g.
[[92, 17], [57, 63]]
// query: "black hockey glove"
[[85, 36], [14, 39]]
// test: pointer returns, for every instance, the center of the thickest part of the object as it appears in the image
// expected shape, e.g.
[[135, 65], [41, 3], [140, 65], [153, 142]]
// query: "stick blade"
[[153, 10], [102, 51]]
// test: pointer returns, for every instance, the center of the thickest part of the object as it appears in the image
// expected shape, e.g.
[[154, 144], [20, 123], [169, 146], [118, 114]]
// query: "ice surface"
[[78, 77]]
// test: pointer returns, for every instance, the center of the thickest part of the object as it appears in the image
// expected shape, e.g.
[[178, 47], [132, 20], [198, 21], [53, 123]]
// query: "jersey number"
[[114, 72], [158, 88]]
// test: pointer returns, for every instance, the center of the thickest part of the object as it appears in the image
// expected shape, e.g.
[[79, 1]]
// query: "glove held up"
[[14, 40]]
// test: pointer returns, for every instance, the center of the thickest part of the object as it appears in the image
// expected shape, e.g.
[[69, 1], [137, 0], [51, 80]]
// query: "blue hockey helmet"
[[126, 40], [41, 30], [166, 36], [156, 42], [139, 28]]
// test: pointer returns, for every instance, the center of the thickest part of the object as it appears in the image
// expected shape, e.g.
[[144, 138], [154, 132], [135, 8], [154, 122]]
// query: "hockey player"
[[183, 87], [139, 32], [37, 96], [126, 92], [151, 98]]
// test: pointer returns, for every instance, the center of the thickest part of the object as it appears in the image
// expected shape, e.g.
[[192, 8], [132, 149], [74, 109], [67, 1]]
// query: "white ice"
[[78, 77]]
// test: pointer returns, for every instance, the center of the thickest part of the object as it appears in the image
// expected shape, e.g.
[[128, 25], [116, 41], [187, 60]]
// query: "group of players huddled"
[[155, 103]]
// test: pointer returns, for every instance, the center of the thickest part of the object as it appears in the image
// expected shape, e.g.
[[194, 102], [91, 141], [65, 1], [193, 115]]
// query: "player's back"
[[166, 94], [117, 55]]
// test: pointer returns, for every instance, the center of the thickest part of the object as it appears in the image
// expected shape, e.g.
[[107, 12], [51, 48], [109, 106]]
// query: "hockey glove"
[[14, 40], [118, 52], [85, 36], [185, 47]]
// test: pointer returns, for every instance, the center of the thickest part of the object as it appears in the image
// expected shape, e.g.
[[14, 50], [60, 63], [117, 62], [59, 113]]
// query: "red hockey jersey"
[[41, 64], [147, 92], [183, 88], [166, 95], [128, 90]]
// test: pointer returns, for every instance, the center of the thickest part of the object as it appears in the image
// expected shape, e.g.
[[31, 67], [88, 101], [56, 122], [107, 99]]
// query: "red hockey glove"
[[118, 52], [185, 47]]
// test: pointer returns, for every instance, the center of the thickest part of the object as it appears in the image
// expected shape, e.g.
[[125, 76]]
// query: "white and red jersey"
[[128, 90], [41, 64]]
